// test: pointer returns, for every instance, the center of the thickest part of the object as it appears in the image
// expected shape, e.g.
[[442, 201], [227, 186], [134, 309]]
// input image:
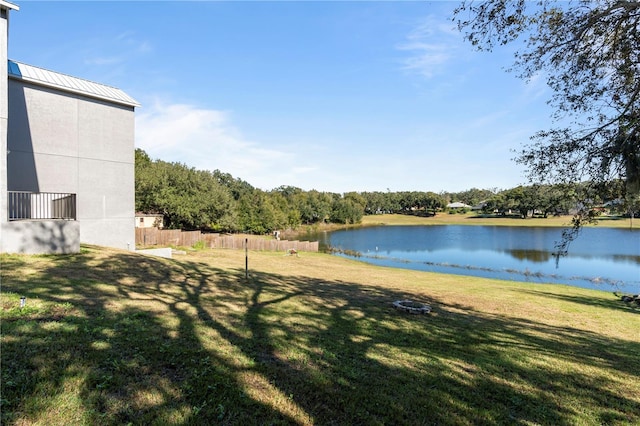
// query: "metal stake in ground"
[[246, 258]]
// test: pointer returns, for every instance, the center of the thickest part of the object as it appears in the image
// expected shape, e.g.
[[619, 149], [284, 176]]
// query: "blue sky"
[[334, 96]]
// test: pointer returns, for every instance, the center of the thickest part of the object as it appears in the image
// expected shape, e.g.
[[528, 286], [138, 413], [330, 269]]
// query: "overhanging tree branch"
[[590, 53]]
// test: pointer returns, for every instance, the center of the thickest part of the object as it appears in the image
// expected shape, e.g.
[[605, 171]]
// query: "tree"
[[431, 202], [145, 183], [314, 206], [473, 196], [188, 198], [553, 200], [259, 213], [589, 52], [375, 202], [346, 211]]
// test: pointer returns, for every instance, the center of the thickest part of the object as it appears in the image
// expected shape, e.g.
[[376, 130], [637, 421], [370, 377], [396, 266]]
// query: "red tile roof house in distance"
[[66, 159]]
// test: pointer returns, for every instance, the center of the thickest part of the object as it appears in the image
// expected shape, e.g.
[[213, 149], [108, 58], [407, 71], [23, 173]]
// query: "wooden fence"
[[174, 237]]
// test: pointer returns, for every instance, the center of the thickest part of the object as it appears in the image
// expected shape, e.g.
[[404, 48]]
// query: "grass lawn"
[[479, 219], [111, 337]]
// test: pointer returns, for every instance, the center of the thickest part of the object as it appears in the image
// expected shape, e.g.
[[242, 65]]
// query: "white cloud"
[[128, 38], [116, 50], [536, 87], [207, 140], [431, 46], [105, 60], [490, 119], [427, 59]]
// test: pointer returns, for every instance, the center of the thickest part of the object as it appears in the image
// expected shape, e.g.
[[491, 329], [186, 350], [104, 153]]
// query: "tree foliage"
[[188, 198], [589, 52], [472, 197], [215, 201]]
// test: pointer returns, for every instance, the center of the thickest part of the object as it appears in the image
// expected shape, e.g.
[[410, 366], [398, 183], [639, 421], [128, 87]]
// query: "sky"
[[329, 95]]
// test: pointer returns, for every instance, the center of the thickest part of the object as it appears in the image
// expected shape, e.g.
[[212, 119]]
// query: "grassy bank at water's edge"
[[111, 337], [475, 219], [305, 232]]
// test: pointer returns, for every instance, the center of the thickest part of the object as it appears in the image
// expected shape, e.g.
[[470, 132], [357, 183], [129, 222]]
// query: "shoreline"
[[469, 219], [472, 219]]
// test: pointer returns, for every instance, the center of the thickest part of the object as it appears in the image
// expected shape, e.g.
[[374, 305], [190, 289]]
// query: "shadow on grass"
[[614, 303], [151, 341]]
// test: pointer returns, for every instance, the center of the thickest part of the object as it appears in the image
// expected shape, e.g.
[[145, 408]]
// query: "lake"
[[600, 258]]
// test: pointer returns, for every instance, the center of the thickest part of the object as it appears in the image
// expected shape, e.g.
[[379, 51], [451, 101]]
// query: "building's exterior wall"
[[4, 23], [40, 237], [63, 142]]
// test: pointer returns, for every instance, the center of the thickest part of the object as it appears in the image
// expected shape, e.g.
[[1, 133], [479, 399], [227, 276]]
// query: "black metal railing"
[[24, 205]]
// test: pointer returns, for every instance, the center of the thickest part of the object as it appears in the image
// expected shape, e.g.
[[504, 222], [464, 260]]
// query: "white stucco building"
[[67, 159]]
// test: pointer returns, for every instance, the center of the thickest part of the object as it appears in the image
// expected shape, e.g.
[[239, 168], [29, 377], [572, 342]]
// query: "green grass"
[[109, 337], [480, 219]]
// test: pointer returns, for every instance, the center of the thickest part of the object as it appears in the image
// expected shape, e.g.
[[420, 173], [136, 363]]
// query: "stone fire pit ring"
[[412, 307]]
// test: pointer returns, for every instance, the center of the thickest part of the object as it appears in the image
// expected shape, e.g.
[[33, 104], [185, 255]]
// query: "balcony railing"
[[41, 205]]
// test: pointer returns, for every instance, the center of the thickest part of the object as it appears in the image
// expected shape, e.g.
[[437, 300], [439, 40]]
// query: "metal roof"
[[68, 83], [9, 5], [457, 204]]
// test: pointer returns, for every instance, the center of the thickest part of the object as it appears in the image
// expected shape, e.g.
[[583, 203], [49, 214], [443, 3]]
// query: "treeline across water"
[[192, 199]]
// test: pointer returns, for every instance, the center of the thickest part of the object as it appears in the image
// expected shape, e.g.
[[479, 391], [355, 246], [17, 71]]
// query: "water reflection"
[[599, 256], [537, 256], [626, 258]]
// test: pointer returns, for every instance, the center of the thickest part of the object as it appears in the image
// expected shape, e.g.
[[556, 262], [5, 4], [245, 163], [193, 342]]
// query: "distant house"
[[480, 206], [458, 205], [144, 220], [67, 151]]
